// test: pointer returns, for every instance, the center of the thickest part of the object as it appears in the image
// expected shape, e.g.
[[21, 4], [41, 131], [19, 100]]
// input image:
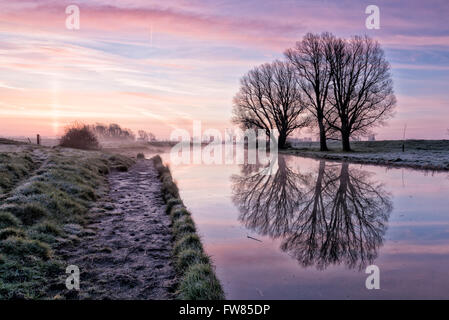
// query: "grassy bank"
[[132, 149], [43, 191], [418, 154], [198, 279]]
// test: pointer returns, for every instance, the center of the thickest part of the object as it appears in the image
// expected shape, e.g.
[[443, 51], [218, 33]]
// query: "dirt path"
[[125, 253]]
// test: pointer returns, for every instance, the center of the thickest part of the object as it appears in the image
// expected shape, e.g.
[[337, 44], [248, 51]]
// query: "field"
[[119, 219], [44, 192], [419, 154]]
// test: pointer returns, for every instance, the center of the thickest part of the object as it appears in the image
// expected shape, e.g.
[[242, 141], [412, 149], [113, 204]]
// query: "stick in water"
[[254, 238]]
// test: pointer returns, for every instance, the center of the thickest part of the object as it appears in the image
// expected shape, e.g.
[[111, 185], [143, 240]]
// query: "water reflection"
[[337, 214]]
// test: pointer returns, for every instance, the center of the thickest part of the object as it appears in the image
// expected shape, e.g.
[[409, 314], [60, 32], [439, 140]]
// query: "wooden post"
[[38, 139]]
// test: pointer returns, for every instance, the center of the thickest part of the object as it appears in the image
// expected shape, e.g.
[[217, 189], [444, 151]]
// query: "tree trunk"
[[323, 144], [345, 141], [282, 139]]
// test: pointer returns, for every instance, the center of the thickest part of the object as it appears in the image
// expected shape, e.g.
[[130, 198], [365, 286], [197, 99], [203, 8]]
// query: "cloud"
[[6, 86], [50, 16], [199, 51]]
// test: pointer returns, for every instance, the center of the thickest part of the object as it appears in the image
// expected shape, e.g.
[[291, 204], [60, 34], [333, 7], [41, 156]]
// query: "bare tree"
[[313, 75], [112, 131], [143, 135], [146, 136], [99, 129], [362, 89], [270, 98]]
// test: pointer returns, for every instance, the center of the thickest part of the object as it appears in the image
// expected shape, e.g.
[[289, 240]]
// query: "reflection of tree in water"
[[259, 195], [337, 215]]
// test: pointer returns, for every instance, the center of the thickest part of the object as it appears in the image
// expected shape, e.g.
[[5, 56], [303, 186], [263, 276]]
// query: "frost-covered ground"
[[420, 154], [128, 253]]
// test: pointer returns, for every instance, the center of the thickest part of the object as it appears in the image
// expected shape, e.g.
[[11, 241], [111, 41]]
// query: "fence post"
[[38, 139]]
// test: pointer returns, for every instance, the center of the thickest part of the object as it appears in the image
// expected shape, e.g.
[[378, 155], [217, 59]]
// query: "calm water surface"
[[319, 224]]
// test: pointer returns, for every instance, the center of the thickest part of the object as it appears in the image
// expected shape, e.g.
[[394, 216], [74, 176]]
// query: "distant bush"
[[79, 136]]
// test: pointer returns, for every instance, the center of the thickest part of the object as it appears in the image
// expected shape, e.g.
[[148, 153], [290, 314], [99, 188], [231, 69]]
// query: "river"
[[310, 229]]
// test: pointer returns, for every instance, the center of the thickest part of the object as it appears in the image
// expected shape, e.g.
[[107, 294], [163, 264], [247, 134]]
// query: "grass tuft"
[[187, 241], [7, 220], [23, 248], [48, 227], [177, 213], [11, 232], [171, 203], [14, 167], [183, 226], [189, 257], [200, 283], [28, 213]]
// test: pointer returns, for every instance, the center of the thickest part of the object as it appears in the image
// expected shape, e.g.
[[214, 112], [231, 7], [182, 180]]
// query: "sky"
[[160, 65]]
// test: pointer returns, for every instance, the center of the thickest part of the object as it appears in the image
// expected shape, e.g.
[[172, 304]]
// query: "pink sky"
[[159, 65]]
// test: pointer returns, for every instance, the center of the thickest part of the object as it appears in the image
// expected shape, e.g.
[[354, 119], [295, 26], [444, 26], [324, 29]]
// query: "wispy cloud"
[[171, 62]]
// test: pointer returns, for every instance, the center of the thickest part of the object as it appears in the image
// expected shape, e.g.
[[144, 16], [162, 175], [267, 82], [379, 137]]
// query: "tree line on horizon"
[[84, 136], [114, 131], [340, 87]]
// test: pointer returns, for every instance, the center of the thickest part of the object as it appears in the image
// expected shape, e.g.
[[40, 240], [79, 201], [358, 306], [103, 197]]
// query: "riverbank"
[[197, 279], [432, 155]]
